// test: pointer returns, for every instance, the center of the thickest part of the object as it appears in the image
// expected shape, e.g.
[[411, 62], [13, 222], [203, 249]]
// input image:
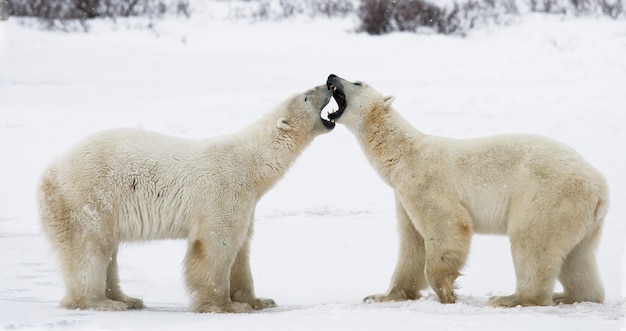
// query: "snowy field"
[[325, 235]]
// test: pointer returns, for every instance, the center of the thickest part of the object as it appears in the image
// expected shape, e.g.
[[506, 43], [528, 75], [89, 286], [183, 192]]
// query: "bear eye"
[[358, 83], [306, 98]]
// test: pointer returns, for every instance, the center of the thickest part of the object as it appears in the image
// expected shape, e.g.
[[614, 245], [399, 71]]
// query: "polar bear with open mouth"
[[127, 185], [548, 200]]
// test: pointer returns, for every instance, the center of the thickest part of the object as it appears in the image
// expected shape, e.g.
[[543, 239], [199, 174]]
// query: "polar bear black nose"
[[329, 79]]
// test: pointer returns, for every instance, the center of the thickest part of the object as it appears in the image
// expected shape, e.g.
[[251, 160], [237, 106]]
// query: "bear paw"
[[391, 296], [95, 304], [561, 298], [131, 303], [230, 307], [262, 303], [134, 303], [516, 300]]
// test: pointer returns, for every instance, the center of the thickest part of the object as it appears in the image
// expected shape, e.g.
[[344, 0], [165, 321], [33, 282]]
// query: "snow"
[[325, 238]]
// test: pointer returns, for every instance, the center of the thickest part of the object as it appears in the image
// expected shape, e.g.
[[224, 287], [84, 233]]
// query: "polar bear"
[[126, 185], [548, 200]]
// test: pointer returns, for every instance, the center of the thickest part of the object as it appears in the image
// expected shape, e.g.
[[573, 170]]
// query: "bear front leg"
[[207, 273], [447, 237], [241, 282], [408, 278]]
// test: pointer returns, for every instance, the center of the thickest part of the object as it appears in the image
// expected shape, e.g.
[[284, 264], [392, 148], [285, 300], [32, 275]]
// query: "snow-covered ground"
[[325, 235]]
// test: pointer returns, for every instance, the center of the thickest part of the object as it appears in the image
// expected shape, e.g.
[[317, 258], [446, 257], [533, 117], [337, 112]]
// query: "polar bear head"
[[301, 112], [356, 101]]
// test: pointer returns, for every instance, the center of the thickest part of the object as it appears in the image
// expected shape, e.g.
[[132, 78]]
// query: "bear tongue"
[[330, 108]]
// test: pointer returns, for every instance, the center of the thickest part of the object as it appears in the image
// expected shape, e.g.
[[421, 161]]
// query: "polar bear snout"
[[321, 100]]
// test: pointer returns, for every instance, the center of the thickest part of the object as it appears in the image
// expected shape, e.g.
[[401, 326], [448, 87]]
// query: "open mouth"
[[335, 106]]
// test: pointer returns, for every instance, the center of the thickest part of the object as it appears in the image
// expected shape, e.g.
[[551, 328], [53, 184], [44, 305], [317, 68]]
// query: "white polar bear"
[[542, 194], [131, 185]]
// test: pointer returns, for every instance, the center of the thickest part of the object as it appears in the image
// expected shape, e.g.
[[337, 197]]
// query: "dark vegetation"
[[373, 16]]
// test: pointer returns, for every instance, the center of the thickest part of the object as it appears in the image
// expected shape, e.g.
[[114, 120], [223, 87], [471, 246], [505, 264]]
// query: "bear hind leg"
[[537, 262], [85, 279], [579, 273], [83, 262], [113, 290]]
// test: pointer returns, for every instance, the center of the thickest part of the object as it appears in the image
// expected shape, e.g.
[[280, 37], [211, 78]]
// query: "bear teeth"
[[330, 108]]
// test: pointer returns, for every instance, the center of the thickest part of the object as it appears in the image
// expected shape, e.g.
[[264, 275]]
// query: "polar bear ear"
[[389, 100], [283, 124]]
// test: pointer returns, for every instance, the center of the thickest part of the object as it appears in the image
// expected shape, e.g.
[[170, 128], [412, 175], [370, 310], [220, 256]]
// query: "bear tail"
[[601, 208]]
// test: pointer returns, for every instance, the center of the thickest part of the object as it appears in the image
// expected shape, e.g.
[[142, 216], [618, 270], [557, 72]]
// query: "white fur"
[[542, 194], [133, 185]]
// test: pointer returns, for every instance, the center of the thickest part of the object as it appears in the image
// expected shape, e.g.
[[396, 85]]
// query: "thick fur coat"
[[542, 194], [133, 185]]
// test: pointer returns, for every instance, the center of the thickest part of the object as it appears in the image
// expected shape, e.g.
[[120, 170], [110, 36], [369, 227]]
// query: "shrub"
[[264, 10], [376, 16], [384, 16], [4, 10], [612, 8], [332, 8], [62, 13]]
